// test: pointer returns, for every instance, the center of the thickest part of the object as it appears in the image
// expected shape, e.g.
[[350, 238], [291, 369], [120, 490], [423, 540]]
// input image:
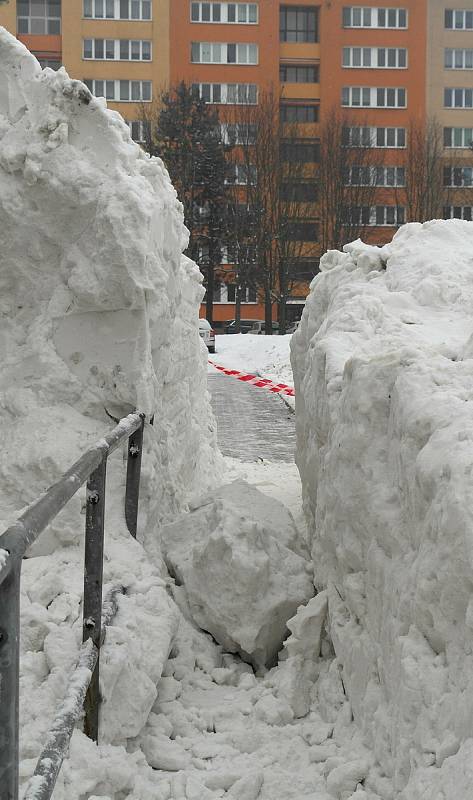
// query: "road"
[[252, 423]]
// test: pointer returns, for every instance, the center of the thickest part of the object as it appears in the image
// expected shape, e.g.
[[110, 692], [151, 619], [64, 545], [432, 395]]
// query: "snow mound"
[[99, 307], [244, 568], [99, 315], [384, 389]]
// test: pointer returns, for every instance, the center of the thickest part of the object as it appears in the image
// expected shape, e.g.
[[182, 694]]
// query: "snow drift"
[[99, 315], [383, 365]]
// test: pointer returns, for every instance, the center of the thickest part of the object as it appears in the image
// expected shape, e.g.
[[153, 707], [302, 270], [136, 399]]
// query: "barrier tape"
[[256, 380]]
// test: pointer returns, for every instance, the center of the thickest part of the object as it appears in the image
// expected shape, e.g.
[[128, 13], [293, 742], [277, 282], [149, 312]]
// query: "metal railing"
[[14, 543]]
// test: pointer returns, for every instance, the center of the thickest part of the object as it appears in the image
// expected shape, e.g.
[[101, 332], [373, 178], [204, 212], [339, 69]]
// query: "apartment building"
[[373, 71], [450, 98], [383, 66], [119, 48], [231, 53]]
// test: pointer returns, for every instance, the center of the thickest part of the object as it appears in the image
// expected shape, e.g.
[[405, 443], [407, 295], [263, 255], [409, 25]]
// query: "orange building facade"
[[381, 66], [373, 71], [231, 51]]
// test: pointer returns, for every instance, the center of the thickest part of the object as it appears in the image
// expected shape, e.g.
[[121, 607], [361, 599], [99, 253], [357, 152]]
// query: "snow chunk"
[[239, 556], [295, 676]]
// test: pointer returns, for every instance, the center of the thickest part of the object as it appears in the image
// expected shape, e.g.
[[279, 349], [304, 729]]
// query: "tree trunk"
[[268, 311], [282, 315], [238, 308], [209, 302]]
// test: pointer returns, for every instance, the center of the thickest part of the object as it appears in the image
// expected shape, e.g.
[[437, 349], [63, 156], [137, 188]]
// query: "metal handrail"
[[14, 543]]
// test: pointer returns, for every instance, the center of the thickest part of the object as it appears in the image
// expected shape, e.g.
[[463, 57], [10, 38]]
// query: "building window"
[[117, 9], [239, 94], [357, 215], [375, 57], [38, 17], [301, 231], [371, 97], [302, 152], [241, 174], [458, 20], [239, 254], [458, 58], [299, 113], [458, 176], [374, 137], [236, 13], [304, 269], [458, 137], [376, 176], [363, 17], [458, 212], [121, 91], [117, 49], [238, 133], [52, 63], [140, 130], [292, 73], [383, 216], [388, 215], [390, 137], [298, 24], [222, 53], [458, 98], [299, 192]]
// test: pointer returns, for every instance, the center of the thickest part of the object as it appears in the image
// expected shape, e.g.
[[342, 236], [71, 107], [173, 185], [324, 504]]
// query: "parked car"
[[207, 334], [292, 328], [260, 328], [245, 325]]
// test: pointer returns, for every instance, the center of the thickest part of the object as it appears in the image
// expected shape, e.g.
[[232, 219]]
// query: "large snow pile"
[[383, 365], [99, 315]]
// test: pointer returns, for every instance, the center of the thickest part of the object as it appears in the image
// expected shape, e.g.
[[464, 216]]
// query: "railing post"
[[133, 474], [10, 681], [93, 577]]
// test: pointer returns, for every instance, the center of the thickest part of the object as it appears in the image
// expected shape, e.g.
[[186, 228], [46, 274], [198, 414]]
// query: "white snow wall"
[[98, 306], [383, 364]]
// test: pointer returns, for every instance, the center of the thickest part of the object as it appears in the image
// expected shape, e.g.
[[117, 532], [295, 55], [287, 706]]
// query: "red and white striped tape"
[[255, 380]]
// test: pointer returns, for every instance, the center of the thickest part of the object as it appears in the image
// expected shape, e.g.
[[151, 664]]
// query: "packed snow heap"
[[99, 316], [383, 365]]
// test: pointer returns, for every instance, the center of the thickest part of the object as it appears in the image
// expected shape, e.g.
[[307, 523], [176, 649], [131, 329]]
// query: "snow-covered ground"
[[266, 356]]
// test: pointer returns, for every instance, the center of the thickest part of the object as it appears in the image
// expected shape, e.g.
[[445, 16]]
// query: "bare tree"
[[186, 133], [347, 179], [276, 213], [425, 192]]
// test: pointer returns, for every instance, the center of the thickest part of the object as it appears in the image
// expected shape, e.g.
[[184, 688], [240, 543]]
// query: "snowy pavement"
[[252, 424]]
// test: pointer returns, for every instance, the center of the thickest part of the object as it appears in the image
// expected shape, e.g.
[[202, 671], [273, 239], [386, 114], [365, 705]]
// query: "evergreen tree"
[[185, 132]]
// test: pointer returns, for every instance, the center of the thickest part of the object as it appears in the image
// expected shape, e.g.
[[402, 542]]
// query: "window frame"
[[303, 34], [117, 50], [117, 7], [48, 19], [372, 13], [225, 90], [299, 68], [226, 50], [303, 108], [117, 90], [350, 94], [452, 14], [224, 15], [348, 53]]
